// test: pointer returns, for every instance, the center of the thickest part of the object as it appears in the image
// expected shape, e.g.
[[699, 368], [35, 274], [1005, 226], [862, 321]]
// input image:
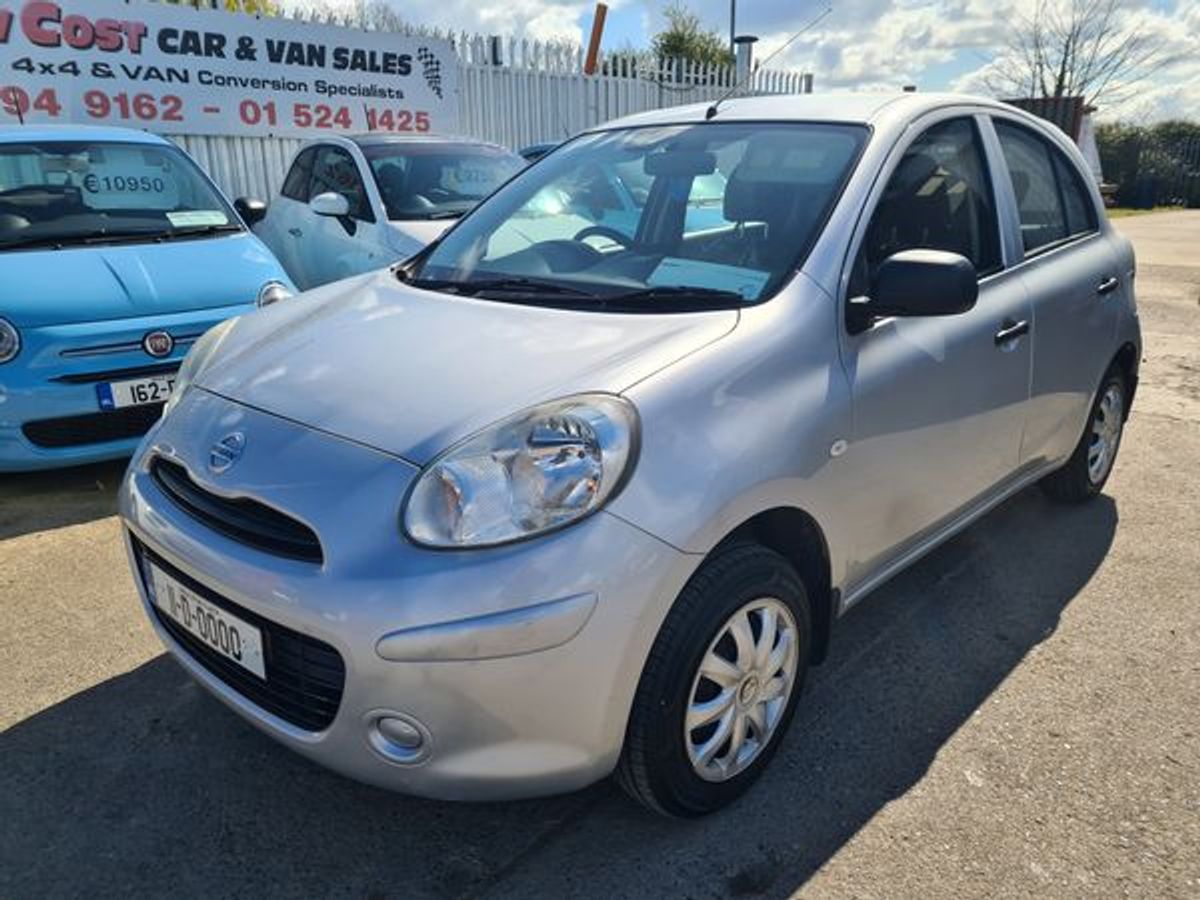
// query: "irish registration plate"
[[135, 391], [223, 633]]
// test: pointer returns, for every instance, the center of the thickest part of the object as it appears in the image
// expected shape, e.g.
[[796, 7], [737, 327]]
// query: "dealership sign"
[[178, 70]]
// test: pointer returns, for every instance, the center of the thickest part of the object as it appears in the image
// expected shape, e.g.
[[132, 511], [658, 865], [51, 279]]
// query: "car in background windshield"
[[681, 216], [67, 192], [437, 181]]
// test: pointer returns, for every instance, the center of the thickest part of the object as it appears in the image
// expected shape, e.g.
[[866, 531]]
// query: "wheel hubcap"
[[741, 689], [1106, 434]]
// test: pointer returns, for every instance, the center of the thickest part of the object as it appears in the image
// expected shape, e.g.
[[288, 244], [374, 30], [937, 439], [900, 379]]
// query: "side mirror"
[[252, 211], [917, 283], [330, 204]]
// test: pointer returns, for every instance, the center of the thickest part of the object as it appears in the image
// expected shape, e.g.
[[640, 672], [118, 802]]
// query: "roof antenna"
[[712, 110]]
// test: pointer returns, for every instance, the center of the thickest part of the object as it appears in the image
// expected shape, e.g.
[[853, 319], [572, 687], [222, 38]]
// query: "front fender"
[[746, 425]]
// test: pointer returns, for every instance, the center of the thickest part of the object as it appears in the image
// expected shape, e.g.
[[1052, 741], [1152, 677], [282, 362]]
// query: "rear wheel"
[[1085, 473], [720, 686]]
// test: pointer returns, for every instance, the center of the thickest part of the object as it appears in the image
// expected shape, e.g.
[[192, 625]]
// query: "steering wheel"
[[617, 237]]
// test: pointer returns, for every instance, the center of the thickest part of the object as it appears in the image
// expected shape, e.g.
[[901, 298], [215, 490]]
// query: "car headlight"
[[193, 364], [273, 292], [10, 340], [526, 475]]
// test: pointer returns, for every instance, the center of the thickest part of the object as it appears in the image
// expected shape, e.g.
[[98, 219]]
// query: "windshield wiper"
[[199, 231], [680, 295], [55, 243], [427, 216], [513, 285], [104, 236], [58, 241]]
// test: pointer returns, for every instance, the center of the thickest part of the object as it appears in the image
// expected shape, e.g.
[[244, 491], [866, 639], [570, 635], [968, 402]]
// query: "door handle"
[[1108, 285], [1010, 331], [295, 232]]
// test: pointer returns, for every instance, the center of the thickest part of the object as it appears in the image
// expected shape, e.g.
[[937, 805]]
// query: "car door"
[[287, 218], [939, 402], [1071, 274], [347, 245]]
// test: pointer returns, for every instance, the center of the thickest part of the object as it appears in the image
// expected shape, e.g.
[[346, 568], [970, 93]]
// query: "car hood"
[[410, 372], [90, 284]]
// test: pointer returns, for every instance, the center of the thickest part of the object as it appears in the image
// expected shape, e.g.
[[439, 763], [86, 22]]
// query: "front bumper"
[[51, 387], [517, 664]]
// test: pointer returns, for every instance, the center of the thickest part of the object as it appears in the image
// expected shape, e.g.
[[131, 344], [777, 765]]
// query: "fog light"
[[400, 733], [398, 738]]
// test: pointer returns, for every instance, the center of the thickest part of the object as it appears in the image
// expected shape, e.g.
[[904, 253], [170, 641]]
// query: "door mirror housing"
[[330, 204], [917, 283], [251, 210]]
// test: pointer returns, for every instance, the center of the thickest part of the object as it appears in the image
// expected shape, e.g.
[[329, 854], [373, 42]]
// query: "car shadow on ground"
[[33, 501], [143, 785]]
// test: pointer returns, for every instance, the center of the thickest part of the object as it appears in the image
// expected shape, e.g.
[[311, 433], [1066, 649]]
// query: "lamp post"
[[732, 26]]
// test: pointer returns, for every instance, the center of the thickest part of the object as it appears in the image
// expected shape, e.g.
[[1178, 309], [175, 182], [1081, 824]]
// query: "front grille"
[[239, 518], [181, 340], [305, 676], [92, 428], [118, 374]]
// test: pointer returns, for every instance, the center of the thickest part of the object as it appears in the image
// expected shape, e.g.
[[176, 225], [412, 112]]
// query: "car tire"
[[1081, 478], [745, 586]]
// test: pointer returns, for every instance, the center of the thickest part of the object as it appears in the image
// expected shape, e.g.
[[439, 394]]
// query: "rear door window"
[[1051, 205]]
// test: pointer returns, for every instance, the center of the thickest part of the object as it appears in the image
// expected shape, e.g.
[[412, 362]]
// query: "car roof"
[[850, 107], [11, 134]]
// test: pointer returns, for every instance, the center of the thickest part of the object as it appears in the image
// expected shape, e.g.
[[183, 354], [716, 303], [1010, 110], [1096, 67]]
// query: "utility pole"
[[732, 26]]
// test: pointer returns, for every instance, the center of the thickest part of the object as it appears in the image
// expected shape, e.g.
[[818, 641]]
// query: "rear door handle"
[[295, 232], [1108, 285], [1010, 331]]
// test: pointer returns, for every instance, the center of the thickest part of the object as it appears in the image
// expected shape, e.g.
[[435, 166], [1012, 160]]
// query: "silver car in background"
[[553, 499]]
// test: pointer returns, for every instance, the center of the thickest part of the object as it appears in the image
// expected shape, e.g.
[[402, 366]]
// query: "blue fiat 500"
[[116, 253]]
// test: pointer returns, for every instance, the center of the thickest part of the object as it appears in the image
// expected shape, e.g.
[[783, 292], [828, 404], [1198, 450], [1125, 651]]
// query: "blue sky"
[[863, 44]]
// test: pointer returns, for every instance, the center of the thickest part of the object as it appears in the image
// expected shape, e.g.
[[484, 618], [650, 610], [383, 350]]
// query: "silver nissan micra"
[[571, 492]]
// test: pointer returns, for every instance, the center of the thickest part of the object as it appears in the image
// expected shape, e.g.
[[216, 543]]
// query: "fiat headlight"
[[193, 364], [531, 473], [10, 341], [273, 292]]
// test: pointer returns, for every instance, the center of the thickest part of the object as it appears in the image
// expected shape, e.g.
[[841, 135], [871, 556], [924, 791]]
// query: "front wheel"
[[720, 685], [1085, 473]]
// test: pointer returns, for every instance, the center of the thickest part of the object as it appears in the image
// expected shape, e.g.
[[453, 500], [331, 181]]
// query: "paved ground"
[[1019, 714]]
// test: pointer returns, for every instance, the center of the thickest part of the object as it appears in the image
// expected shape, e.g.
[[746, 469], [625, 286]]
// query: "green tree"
[[685, 37], [1157, 164]]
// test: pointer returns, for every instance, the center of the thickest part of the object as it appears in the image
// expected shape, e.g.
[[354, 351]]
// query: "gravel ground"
[[1019, 714]]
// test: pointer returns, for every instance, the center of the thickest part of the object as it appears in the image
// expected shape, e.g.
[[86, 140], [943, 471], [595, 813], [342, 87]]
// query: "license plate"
[[135, 391], [224, 634]]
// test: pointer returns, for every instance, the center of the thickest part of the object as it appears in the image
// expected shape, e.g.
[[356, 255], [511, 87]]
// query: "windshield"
[[707, 215], [437, 181], [59, 193]]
